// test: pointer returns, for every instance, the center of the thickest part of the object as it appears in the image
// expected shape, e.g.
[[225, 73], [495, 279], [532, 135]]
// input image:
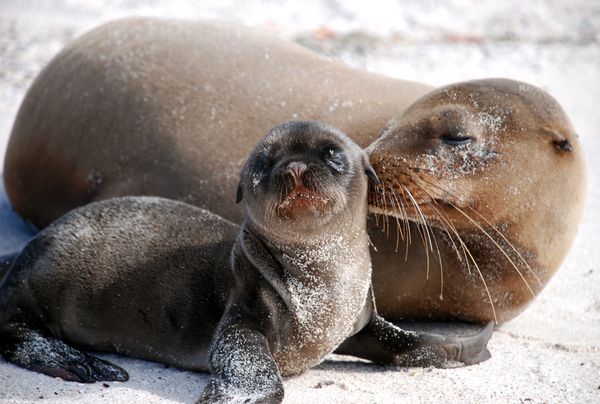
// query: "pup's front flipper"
[[30, 348], [383, 342], [244, 369], [462, 342]]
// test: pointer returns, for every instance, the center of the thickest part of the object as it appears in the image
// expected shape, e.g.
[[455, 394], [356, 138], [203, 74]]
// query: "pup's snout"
[[296, 169]]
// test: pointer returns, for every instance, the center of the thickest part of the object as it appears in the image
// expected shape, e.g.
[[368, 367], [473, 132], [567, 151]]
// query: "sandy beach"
[[551, 352]]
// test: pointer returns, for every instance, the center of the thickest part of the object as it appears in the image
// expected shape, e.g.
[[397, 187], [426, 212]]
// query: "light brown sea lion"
[[496, 174], [150, 278], [171, 108]]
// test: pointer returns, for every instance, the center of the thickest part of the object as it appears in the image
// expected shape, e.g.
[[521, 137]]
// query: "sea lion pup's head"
[[490, 160], [303, 178]]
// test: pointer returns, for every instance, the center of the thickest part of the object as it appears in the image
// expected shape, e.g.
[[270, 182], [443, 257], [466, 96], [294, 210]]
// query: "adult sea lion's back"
[[145, 106]]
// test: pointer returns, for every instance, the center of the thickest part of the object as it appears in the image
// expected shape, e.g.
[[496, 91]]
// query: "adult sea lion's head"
[[497, 167]]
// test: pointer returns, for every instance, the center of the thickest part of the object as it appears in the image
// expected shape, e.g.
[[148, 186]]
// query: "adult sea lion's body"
[[171, 108], [152, 278]]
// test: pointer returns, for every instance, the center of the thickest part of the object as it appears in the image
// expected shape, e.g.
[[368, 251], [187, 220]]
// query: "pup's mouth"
[[301, 199]]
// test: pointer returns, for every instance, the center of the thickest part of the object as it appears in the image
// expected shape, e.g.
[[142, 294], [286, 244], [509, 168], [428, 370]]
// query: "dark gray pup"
[[161, 280]]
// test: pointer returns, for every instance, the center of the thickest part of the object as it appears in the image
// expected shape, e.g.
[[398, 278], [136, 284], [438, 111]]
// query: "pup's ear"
[[239, 195], [371, 174]]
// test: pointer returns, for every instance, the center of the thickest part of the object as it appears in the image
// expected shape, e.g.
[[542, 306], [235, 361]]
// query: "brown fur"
[[171, 108], [523, 174]]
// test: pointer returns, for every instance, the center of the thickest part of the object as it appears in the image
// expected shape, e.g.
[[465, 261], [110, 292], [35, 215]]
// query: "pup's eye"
[[456, 140], [334, 158], [330, 149]]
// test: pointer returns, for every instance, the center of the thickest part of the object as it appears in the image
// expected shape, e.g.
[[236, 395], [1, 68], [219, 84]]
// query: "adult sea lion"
[[150, 278], [171, 108]]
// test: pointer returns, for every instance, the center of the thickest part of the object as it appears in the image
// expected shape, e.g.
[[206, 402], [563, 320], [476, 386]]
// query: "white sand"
[[551, 353]]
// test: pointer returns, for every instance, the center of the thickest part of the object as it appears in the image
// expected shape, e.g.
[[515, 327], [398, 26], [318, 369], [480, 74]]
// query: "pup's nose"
[[297, 170]]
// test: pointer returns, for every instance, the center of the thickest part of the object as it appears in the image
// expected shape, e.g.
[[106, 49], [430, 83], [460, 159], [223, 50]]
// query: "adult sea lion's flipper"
[[30, 348]]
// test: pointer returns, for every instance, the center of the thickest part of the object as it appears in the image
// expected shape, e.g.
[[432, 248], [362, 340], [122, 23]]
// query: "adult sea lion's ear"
[[239, 195], [371, 174]]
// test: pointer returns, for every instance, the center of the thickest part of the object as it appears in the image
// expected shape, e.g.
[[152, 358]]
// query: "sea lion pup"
[[494, 172], [149, 278]]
